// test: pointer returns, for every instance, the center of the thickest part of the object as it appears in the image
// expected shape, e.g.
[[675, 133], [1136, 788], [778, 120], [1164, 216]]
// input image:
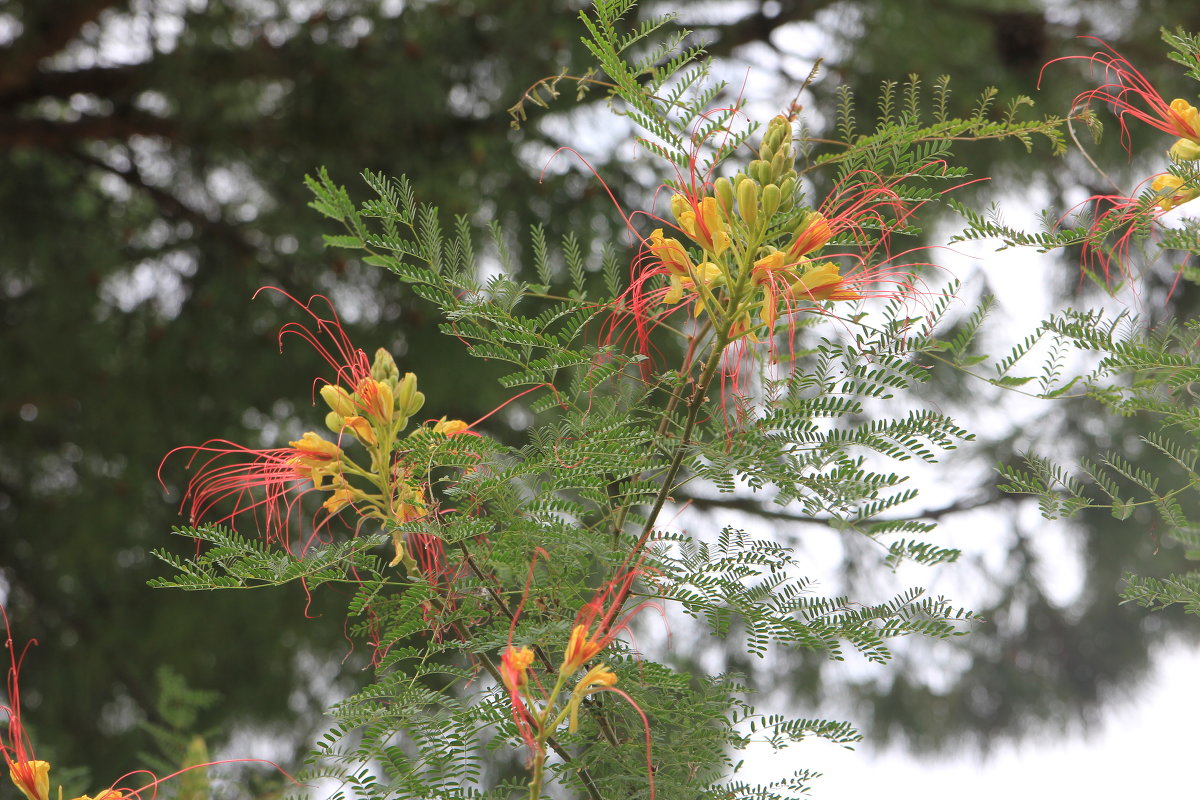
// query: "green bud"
[[1185, 150], [779, 165], [779, 135], [335, 421], [787, 193], [723, 191], [408, 399], [770, 200], [747, 201], [338, 399], [384, 367], [760, 170]]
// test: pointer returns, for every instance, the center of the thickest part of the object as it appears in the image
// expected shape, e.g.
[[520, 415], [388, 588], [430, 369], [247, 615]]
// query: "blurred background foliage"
[[153, 154]]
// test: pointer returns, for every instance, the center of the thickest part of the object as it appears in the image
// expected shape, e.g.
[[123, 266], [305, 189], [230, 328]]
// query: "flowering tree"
[[499, 586]]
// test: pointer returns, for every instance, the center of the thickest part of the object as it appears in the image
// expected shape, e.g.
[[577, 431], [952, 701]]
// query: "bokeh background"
[[152, 155]]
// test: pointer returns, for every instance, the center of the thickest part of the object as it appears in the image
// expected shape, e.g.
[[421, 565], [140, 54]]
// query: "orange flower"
[[514, 671]]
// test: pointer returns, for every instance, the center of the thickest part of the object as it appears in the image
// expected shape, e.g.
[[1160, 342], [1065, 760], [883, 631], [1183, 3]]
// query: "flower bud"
[[335, 421], [787, 193], [760, 170], [1185, 150], [408, 400], [338, 399], [384, 367], [780, 164], [747, 201], [779, 135], [770, 200], [723, 190]]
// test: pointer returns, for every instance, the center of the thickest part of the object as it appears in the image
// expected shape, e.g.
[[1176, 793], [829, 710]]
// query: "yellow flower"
[[398, 543], [449, 427], [703, 222], [822, 282], [336, 502], [376, 398], [1173, 191], [32, 778], [514, 667], [314, 458], [597, 678], [1186, 114], [671, 253], [772, 262], [107, 794], [707, 272]]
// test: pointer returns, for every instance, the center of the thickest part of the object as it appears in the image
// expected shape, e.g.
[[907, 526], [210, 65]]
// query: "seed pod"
[[747, 201]]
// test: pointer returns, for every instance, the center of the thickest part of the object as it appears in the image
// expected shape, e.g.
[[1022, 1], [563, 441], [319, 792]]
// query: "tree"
[[181, 197]]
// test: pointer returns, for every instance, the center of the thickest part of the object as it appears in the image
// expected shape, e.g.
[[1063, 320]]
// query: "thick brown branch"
[[172, 207], [107, 82], [48, 27], [49, 134]]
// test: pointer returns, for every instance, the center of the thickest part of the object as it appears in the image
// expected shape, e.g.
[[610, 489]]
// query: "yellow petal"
[[32, 778], [361, 428]]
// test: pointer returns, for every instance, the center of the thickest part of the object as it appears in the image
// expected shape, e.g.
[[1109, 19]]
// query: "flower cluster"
[[370, 404], [1130, 94], [760, 253], [538, 713]]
